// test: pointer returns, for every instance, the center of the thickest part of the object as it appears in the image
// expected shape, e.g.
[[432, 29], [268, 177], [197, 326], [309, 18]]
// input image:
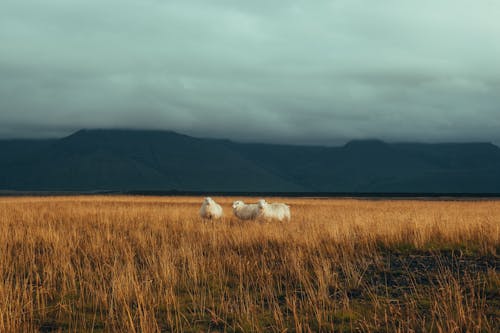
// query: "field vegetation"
[[150, 264]]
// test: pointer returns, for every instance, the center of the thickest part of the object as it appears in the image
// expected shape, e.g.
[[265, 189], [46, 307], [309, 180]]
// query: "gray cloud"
[[289, 71]]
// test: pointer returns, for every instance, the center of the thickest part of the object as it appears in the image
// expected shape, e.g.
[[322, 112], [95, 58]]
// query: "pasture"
[[150, 264]]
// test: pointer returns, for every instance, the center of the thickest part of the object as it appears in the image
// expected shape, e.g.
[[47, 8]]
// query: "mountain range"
[[128, 160]]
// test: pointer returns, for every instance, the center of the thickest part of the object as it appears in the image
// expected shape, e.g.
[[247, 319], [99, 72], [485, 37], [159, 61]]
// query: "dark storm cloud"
[[287, 71]]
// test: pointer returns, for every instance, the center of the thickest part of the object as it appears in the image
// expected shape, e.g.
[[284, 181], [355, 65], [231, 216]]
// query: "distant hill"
[[125, 160]]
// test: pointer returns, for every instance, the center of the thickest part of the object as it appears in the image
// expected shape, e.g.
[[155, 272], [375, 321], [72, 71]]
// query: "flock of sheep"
[[262, 210]]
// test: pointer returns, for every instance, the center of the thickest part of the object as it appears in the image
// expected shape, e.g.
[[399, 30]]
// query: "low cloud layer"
[[311, 72]]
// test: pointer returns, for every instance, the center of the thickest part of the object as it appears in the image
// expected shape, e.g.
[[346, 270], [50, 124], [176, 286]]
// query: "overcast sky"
[[312, 72]]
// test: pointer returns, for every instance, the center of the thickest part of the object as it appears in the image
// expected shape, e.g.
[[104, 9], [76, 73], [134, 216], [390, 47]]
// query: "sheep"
[[276, 211], [245, 212], [210, 209]]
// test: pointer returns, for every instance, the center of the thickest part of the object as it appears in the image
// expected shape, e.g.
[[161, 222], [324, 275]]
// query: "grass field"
[[149, 264]]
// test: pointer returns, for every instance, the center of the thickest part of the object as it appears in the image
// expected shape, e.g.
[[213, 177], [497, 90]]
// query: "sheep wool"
[[273, 211], [210, 209], [244, 211]]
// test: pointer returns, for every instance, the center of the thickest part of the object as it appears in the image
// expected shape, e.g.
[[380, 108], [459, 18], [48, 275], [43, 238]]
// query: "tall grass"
[[149, 264]]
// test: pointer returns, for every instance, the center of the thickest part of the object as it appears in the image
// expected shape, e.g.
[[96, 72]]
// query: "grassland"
[[149, 264]]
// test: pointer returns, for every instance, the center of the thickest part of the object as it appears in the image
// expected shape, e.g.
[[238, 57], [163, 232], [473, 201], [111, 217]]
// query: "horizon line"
[[346, 142]]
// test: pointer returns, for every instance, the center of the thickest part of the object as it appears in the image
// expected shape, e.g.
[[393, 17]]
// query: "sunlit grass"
[[148, 264]]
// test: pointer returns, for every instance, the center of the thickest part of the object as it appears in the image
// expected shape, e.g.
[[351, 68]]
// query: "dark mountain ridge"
[[127, 160]]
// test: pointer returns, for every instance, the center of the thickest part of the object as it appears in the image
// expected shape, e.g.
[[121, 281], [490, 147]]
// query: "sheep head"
[[262, 203], [237, 204]]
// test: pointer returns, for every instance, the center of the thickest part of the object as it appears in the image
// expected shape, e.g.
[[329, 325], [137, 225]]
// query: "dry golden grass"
[[149, 264]]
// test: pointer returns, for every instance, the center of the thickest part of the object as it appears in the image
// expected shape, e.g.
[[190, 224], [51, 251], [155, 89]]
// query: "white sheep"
[[273, 211], [245, 212], [210, 209]]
